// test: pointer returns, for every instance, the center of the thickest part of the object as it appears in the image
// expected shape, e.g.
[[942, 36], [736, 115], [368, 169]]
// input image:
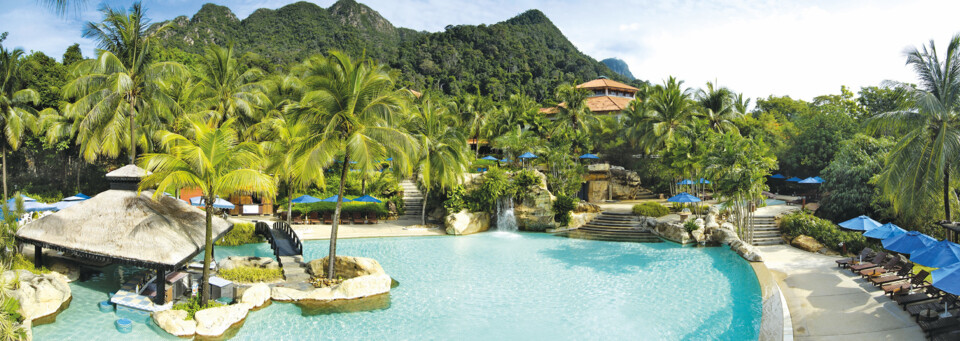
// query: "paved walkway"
[[385, 228], [827, 303]]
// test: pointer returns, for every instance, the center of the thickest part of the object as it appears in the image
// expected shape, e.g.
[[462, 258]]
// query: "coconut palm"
[[16, 111], [922, 161], [442, 158], [282, 133], [213, 160], [227, 92], [573, 112], [476, 111], [718, 108], [669, 115], [353, 110], [111, 92]]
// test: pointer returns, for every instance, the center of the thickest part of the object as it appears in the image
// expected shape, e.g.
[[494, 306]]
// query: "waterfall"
[[506, 220]]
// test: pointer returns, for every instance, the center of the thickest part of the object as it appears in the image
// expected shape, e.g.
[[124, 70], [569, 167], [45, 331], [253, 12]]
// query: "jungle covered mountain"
[[525, 54], [619, 66]]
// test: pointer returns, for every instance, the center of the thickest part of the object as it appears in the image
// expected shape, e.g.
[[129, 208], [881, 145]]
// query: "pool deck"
[[385, 228], [827, 303]]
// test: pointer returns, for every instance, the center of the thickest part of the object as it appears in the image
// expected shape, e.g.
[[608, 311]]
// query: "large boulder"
[[673, 231], [747, 251], [346, 267], [175, 322], [39, 295], [624, 184], [580, 219], [534, 212], [586, 207], [352, 288], [256, 295], [465, 222], [213, 322], [806, 243], [254, 262]]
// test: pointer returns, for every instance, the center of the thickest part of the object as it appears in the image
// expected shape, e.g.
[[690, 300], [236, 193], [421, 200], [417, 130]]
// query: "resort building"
[[607, 96]]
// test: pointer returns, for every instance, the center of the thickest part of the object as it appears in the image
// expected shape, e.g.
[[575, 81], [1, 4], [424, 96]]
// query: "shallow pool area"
[[495, 286]]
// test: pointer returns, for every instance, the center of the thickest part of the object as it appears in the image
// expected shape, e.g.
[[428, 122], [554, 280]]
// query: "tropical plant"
[[441, 160], [847, 180], [228, 93], [669, 115], [16, 113], [282, 133], [738, 167], [120, 86], [922, 163], [353, 110], [650, 209], [573, 112], [213, 160], [476, 111], [717, 106]]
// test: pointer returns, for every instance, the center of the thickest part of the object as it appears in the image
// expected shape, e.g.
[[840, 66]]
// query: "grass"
[[22, 263], [242, 233], [248, 274], [192, 306]]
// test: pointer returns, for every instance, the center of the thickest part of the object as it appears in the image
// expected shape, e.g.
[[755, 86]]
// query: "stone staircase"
[[765, 231], [295, 273], [646, 195], [617, 227], [412, 200]]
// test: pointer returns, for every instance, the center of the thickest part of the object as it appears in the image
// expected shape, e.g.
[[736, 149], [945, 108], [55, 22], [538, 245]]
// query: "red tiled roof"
[[601, 83], [598, 105]]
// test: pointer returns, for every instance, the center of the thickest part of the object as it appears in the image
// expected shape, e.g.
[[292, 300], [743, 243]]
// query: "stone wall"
[[624, 184], [534, 211]]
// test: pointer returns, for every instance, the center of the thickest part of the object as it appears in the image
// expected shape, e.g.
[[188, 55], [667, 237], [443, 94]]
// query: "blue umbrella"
[[505, 160], [334, 199], [77, 197], [794, 179], [809, 181], [305, 199], [31, 206], [684, 197], [589, 156], [64, 204], [704, 181], [218, 203], [778, 176], [818, 179], [941, 254], [13, 200], [489, 158], [861, 223], [909, 242], [389, 159], [685, 182], [528, 155], [948, 279], [885, 231], [367, 198]]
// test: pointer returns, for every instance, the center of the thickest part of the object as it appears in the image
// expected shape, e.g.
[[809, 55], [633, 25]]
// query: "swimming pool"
[[497, 286]]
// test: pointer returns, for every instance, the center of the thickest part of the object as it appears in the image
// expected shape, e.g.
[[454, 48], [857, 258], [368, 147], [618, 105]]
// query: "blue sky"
[[758, 47]]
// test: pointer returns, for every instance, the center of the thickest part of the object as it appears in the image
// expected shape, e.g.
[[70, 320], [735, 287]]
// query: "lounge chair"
[[865, 254], [372, 218], [357, 219], [946, 334], [344, 219], [328, 218], [297, 218], [949, 301], [906, 298], [902, 274], [918, 281], [891, 265], [877, 260], [938, 325], [314, 218]]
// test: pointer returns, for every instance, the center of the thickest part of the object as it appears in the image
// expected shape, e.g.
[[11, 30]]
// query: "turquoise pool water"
[[497, 286]]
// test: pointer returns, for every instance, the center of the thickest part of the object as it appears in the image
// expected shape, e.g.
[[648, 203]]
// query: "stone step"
[[290, 259], [764, 234], [767, 242], [643, 239], [616, 217]]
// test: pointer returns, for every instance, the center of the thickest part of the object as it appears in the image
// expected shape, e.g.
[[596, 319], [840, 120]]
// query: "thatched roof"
[[127, 228]]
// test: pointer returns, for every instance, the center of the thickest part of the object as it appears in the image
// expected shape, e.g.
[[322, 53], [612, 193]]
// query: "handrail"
[[263, 229], [288, 231]]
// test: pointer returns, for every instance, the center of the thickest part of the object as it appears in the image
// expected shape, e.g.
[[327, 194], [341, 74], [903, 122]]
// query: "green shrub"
[[455, 200], [249, 274], [526, 178], [562, 207], [192, 306], [824, 231], [690, 226], [650, 209], [397, 201], [22, 263], [242, 233], [493, 185], [348, 207]]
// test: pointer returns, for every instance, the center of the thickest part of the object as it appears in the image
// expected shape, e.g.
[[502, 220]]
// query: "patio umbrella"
[[334, 199], [305, 199], [778, 176], [367, 198], [528, 155], [909, 242], [589, 156], [218, 203], [683, 197], [943, 253], [505, 160], [818, 179], [31, 206], [77, 197], [704, 181], [810, 181], [948, 279], [861, 223], [685, 182], [885, 231], [64, 204], [794, 179], [489, 158]]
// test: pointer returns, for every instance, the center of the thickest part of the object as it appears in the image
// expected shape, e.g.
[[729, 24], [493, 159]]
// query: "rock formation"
[[624, 184], [175, 322], [534, 212], [39, 295], [363, 277], [465, 222], [807, 243], [255, 262], [212, 322]]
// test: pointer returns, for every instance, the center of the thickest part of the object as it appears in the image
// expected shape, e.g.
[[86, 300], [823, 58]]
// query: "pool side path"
[[388, 228]]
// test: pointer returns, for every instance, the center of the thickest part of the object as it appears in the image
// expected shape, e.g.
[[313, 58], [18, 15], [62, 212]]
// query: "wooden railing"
[[285, 228]]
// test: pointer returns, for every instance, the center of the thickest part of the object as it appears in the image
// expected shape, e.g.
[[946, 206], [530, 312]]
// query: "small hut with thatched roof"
[[125, 227]]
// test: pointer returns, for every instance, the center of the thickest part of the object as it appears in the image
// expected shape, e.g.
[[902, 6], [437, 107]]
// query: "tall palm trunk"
[[336, 214], [207, 253], [290, 204], [946, 192], [4, 173], [476, 138], [423, 210], [133, 138]]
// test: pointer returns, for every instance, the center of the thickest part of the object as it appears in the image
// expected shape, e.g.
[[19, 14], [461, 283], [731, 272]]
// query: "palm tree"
[[353, 110], [718, 108], [215, 161], [476, 111], [669, 114], [282, 133], [573, 112], [227, 92], [921, 163], [121, 84], [16, 113], [442, 159]]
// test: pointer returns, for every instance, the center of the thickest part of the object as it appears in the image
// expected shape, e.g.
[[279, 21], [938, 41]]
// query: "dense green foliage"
[[849, 192], [192, 306], [690, 226], [562, 208], [824, 231], [348, 208], [242, 233], [250, 274], [650, 209], [493, 185]]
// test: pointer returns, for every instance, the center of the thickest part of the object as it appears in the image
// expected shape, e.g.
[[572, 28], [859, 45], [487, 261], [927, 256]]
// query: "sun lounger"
[[328, 218], [902, 274], [297, 218], [908, 298], [949, 301], [867, 253], [372, 218], [918, 281], [877, 260], [357, 219], [930, 327], [344, 219], [314, 218], [893, 264], [946, 334]]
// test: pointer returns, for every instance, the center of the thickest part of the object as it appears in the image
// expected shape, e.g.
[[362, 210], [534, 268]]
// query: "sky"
[[758, 47]]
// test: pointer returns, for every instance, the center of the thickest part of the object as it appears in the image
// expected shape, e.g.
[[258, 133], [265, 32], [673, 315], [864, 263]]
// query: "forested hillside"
[[618, 66], [525, 54]]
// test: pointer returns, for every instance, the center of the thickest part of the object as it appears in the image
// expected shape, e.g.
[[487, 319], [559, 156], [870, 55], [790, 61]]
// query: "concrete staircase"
[[412, 200], [765, 231], [617, 227], [295, 273]]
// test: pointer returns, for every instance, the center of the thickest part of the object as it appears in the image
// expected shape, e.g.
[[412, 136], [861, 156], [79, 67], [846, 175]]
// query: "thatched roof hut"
[[125, 227]]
